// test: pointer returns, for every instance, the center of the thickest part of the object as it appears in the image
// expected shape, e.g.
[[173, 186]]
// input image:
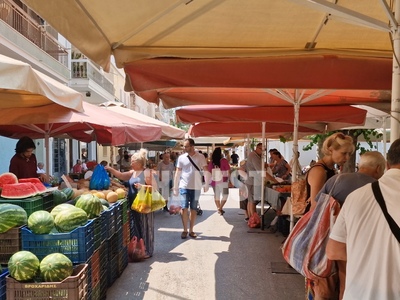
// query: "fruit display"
[[112, 197], [36, 182], [41, 222], [90, 204], [19, 190], [70, 219], [64, 206], [23, 266], [59, 197], [10, 216], [69, 192], [7, 178], [55, 267]]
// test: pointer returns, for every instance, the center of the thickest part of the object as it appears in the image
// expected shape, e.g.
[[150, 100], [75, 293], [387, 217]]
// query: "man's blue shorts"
[[189, 198]]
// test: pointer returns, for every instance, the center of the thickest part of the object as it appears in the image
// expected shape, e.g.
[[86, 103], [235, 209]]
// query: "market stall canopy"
[[243, 129], [21, 86], [325, 79], [168, 131], [133, 29], [323, 118], [95, 123]]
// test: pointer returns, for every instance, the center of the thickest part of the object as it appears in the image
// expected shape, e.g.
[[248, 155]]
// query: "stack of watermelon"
[[25, 266], [12, 188]]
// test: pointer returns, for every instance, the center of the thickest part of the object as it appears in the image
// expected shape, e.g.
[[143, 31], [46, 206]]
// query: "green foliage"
[[367, 135], [182, 126]]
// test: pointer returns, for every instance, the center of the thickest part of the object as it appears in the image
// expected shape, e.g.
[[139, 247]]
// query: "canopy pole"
[[46, 146], [262, 175], [296, 103], [395, 107]]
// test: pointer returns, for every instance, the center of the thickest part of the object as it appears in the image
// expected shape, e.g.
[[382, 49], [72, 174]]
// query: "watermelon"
[[19, 190], [105, 203], [23, 265], [7, 178], [59, 197], [69, 192], [70, 219], [91, 204], [56, 267], [60, 207], [36, 182], [41, 222], [11, 215]]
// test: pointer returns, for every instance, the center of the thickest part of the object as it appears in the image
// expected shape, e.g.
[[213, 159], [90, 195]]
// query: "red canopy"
[[242, 129], [178, 82], [317, 117], [95, 123]]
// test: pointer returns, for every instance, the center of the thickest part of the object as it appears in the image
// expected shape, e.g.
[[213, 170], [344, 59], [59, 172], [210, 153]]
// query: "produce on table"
[[64, 206], [90, 204], [36, 182], [41, 222], [121, 193], [7, 178], [23, 265], [112, 197], [19, 190], [59, 197], [70, 219], [105, 203], [55, 267], [11, 215], [69, 192]]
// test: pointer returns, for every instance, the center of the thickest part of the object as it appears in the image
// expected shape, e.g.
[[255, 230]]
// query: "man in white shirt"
[[188, 180], [362, 237]]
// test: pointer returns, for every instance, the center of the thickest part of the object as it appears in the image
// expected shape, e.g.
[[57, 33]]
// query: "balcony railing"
[[84, 68], [38, 34]]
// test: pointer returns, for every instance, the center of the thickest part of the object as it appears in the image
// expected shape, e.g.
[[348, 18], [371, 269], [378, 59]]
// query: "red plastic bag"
[[254, 221], [136, 250]]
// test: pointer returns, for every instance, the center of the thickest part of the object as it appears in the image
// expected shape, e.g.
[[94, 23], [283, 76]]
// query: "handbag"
[[299, 197], [216, 174], [304, 248], [147, 200], [198, 169], [379, 198]]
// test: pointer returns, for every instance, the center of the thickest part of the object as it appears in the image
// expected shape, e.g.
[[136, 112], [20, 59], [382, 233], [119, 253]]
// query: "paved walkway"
[[226, 261]]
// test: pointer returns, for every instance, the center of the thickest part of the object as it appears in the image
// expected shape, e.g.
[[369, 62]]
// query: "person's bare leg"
[[218, 205], [251, 208], [193, 216], [185, 217]]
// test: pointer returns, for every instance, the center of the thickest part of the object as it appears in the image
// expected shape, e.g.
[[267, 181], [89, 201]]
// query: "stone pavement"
[[228, 260]]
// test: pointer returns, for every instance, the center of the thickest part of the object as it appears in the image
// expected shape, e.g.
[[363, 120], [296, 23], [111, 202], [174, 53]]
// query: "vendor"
[[24, 164]]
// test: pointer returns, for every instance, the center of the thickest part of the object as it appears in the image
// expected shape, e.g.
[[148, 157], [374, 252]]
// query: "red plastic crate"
[[10, 243], [72, 288], [125, 234]]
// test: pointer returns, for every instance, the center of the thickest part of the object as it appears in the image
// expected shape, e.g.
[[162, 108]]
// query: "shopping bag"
[[100, 179], [157, 200], [216, 174], [148, 200], [142, 201], [136, 250], [299, 197], [174, 205], [254, 221], [304, 248]]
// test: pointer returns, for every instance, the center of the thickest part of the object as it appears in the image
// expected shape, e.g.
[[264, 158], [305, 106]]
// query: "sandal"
[[193, 235], [184, 235]]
